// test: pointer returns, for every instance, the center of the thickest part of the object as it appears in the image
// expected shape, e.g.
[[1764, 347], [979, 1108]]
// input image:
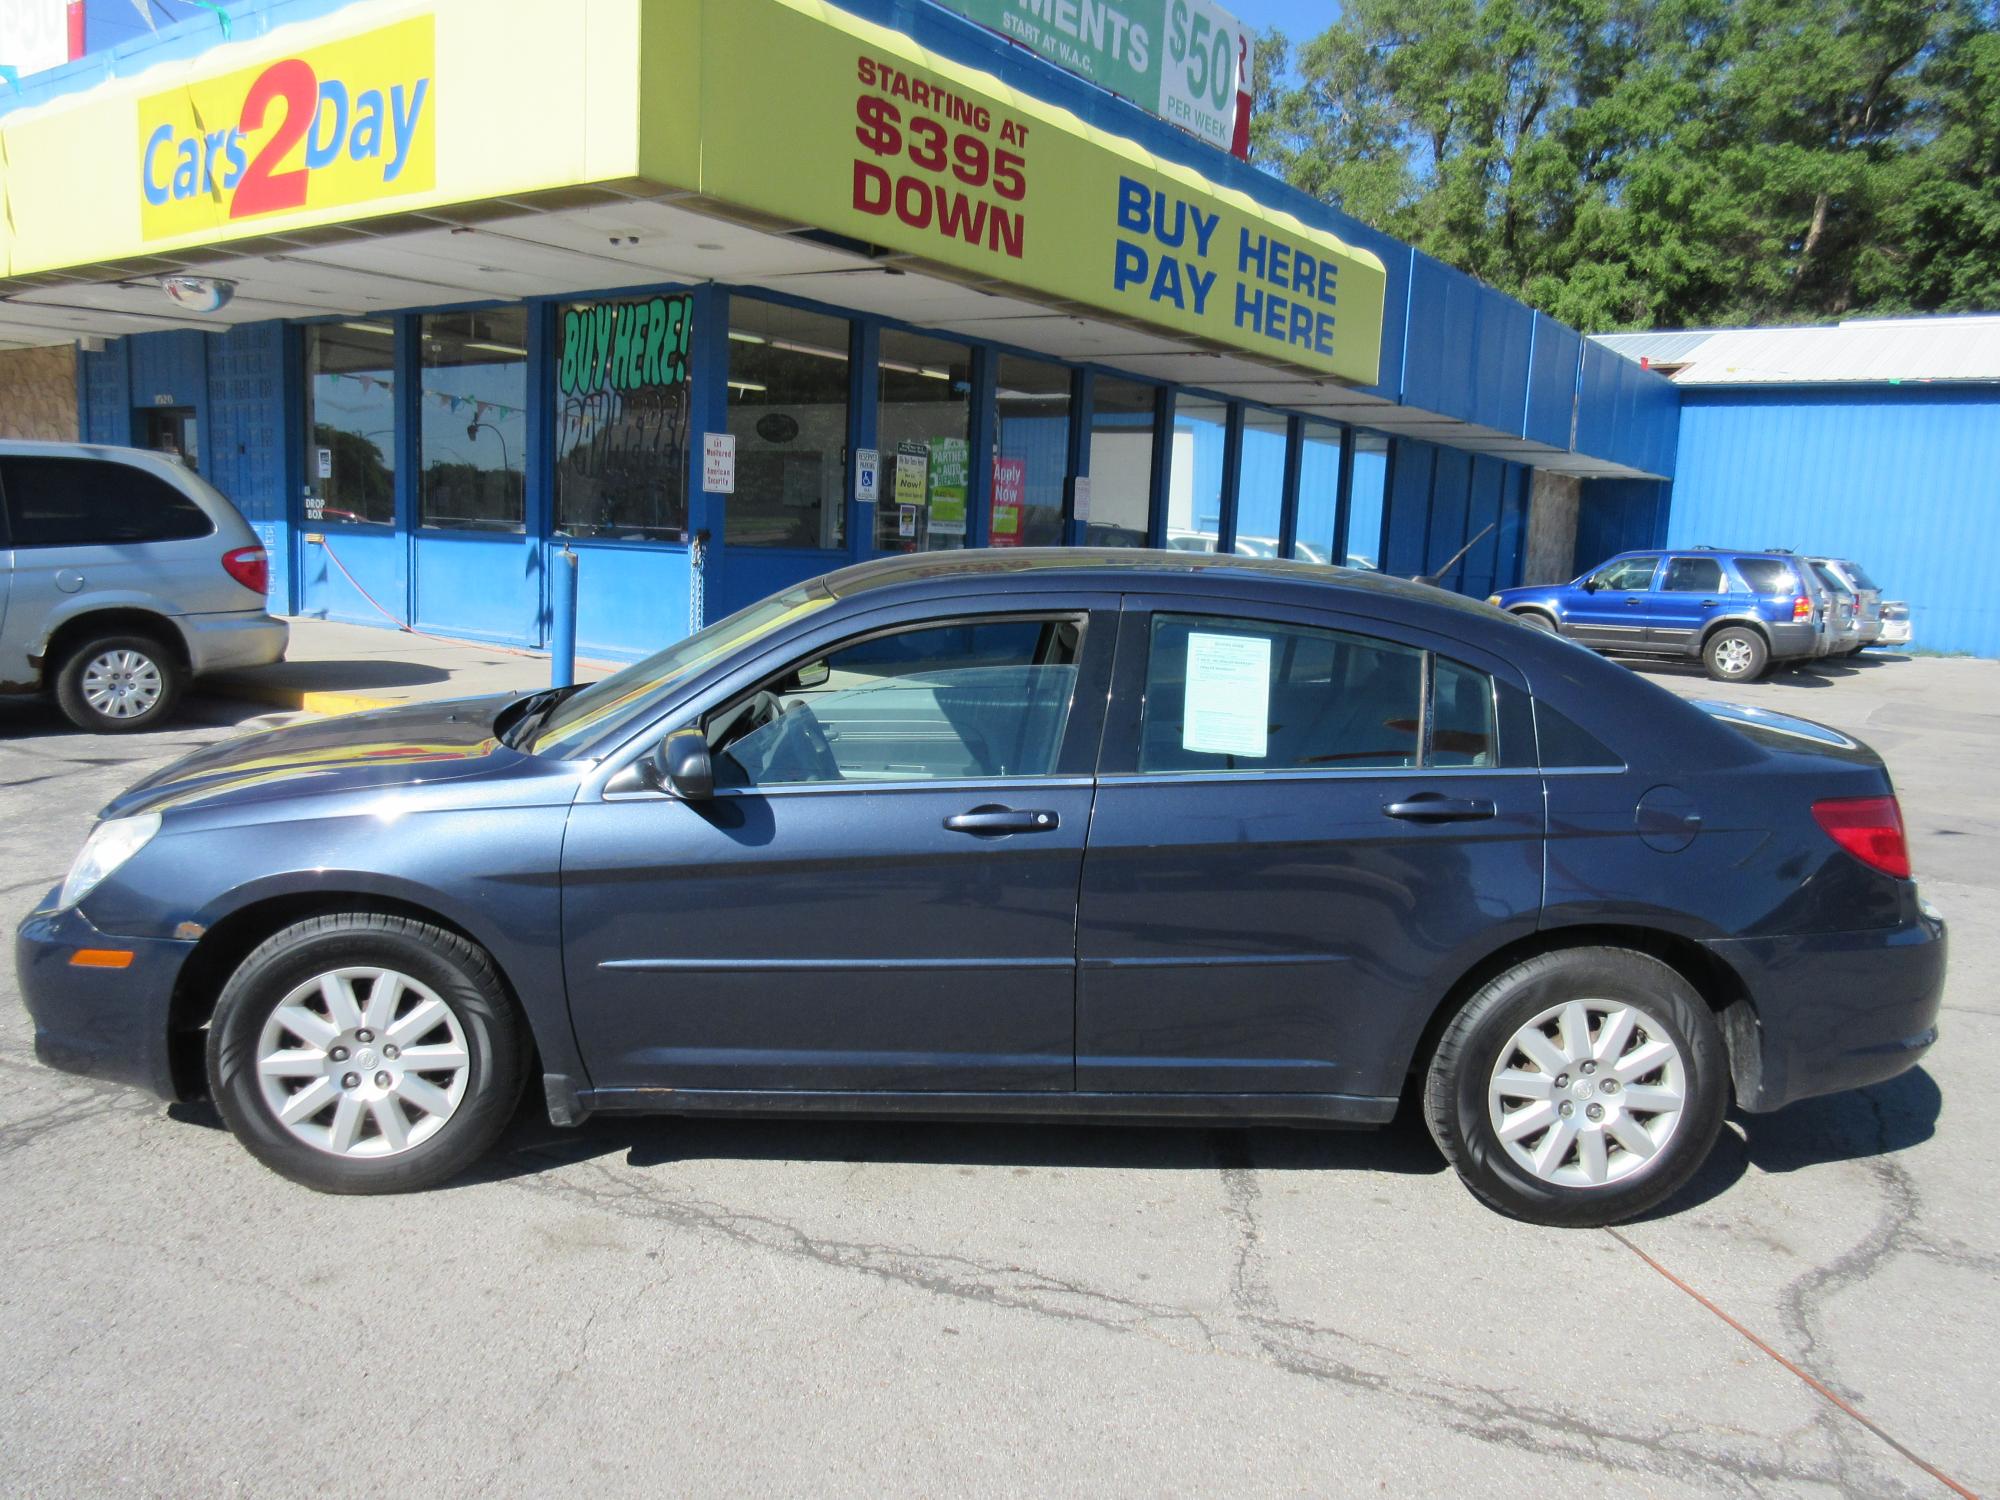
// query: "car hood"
[[425, 742]]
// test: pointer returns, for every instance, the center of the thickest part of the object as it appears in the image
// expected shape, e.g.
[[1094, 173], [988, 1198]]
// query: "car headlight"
[[110, 844], [1492, 598]]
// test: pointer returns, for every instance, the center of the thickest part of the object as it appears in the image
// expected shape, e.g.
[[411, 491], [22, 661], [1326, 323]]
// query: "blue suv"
[[1737, 611]]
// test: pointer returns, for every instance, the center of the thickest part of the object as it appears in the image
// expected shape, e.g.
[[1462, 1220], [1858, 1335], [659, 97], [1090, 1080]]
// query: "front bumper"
[[1837, 1011], [103, 1023], [242, 638]]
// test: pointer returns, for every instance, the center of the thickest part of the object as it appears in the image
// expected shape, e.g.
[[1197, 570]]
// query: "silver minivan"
[[122, 576]]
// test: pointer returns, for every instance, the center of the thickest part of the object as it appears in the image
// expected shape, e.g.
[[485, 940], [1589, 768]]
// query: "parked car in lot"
[[1867, 597], [1841, 611], [122, 576], [1119, 835], [1895, 624], [1735, 612]]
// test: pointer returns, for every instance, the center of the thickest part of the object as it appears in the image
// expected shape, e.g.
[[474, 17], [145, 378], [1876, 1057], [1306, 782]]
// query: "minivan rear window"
[[1767, 575], [1860, 576], [93, 502]]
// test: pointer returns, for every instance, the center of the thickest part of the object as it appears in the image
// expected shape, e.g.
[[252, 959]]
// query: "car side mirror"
[[813, 674], [680, 764], [1591, 585]]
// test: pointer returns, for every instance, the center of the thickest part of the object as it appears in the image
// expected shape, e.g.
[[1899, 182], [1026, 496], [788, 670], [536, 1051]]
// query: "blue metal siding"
[[244, 451], [106, 414], [1467, 353], [1906, 480], [1625, 413], [1618, 515], [1550, 410]]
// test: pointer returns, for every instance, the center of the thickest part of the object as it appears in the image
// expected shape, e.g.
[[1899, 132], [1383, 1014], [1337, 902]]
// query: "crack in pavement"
[[1251, 1328]]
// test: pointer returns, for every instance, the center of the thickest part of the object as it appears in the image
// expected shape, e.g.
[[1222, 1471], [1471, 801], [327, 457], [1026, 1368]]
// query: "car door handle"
[[1435, 807], [989, 822], [1631, 603]]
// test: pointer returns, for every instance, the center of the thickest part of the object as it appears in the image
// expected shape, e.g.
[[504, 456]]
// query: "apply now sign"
[[345, 123]]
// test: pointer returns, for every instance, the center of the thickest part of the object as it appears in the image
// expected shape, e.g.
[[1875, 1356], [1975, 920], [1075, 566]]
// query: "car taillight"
[[251, 567], [1869, 828], [1802, 608]]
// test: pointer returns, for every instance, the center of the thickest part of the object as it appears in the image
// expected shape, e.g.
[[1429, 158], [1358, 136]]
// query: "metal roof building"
[[1875, 439]]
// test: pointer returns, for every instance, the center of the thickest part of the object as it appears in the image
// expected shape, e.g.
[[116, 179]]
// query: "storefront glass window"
[[1260, 486], [474, 432], [923, 427], [1319, 493], [1033, 411], [622, 418], [1194, 474], [1364, 515], [350, 423], [1121, 462], [788, 410]]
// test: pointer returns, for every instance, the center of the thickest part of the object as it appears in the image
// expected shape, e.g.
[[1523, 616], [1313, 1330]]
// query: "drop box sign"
[[1185, 60]]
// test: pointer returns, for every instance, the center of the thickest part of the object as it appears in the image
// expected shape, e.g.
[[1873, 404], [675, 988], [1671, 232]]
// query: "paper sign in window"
[[1228, 694]]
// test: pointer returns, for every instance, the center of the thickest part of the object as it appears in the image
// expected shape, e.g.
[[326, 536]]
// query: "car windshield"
[[605, 707], [1766, 575]]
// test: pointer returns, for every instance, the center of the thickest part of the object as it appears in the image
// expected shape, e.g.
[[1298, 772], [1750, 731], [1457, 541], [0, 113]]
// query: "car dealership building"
[[732, 292]]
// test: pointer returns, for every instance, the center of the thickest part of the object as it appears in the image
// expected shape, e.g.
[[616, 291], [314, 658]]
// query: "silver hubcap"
[[122, 684], [1733, 656], [362, 1063], [1587, 1093]]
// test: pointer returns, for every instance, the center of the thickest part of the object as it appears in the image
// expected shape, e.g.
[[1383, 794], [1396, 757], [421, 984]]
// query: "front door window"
[[971, 701]]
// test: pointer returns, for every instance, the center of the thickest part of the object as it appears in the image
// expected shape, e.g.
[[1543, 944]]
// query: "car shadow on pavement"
[[532, 1145], [1854, 1126]]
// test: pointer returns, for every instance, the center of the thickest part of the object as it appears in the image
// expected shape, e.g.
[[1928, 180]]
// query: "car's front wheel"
[[1580, 1087], [118, 684], [1537, 619], [366, 1053]]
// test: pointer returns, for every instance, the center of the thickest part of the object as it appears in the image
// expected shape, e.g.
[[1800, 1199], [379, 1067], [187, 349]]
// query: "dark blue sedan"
[[1067, 834]]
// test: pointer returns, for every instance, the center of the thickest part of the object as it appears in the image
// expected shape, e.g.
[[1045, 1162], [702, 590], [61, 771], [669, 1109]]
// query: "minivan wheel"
[[365, 1053], [1579, 1088], [118, 684], [1734, 654]]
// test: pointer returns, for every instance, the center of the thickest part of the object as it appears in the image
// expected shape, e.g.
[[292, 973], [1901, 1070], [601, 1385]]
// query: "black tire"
[[1723, 647], [1463, 1068], [150, 655], [1537, 619], [453, 969]]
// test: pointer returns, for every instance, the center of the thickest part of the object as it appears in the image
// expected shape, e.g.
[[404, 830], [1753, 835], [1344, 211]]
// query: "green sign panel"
[[1184, 60], [624, 346]]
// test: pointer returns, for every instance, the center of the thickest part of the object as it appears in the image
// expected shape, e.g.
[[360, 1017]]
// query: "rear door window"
[[1767, 575], [1693, 575], [91, 502]]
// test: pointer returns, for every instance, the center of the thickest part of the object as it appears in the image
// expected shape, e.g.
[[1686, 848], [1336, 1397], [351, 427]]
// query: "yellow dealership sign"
[[347, 123], [792, 110], [884, 142]]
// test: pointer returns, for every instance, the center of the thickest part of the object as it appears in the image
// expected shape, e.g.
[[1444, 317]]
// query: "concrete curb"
[[296, 700]]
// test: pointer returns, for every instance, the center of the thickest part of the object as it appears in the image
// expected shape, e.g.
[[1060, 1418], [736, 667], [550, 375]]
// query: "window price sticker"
[[1228, 709]]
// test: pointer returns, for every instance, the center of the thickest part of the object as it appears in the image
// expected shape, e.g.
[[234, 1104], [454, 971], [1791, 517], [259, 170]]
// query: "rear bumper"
[[102, 1023], [1837, 1011], [1894, 633], [1791, 638], [246, 638]]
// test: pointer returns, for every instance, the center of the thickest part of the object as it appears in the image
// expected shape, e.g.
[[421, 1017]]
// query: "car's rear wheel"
[[1579, 1088], [118, 684], [365, 1053], [1735, 654]]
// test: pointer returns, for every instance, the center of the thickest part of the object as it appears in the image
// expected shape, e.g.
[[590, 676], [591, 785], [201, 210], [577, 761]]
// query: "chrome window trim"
[[853, 788]]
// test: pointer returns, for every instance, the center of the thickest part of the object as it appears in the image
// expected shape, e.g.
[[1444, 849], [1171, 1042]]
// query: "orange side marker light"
[[101, 958]]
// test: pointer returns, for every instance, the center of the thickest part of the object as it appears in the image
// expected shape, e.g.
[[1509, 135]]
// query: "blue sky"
[[1298, 19]]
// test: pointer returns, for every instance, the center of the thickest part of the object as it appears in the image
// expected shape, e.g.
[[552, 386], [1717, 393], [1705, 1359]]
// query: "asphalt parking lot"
[[659, 1306]]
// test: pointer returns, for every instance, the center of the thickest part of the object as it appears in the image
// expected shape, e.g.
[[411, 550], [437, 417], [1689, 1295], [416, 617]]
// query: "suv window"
[[1767, 575], [966, 701], [1693, 575], [93, 502], [1252, 695], [1860, 576], [1629, 573]]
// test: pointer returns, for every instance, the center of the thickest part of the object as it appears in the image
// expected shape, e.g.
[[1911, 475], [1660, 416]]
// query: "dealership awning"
[[787, 145]]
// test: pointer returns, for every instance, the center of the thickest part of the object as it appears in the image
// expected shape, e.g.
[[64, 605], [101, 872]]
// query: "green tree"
[[1639, 163]]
